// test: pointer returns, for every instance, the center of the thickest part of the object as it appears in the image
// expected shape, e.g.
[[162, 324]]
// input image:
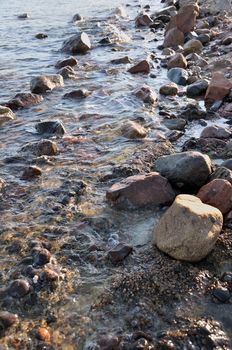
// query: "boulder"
[[197, 89], [217, 193], [178, 76], [193, 46], [77, 44], [6, 115], [146, 94], [186, 169], [44, 83], [132, 130], [69, 61], [120, 252], [7, 319], [215, 131], [50, 127], [178, 60], [40, 148], [170, 89], [143, 20], [215, 148], [175, 124], [141, 67], [140, 191], [189, 229], [173, 38], [193, 112], [219, 87], [185, 20], [31, 173], [24, 100], [222, 173]]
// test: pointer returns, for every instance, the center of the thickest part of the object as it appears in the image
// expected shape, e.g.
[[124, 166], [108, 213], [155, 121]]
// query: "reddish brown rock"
[[43, 334], [44, 83], [31, 172], [226, 110], [146, 94], [217, 193], [24, 100], [77, 94], [141, 67], [143, 20], [185, 20], [219, 87], [120, 252], [132, 130], [141, 190], [173, 38], [7, 319], [177, 60], [69, 61]]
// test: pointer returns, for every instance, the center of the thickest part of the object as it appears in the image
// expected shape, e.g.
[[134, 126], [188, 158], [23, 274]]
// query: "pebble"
[[18, 288], [7, 319], [120, 252], [31, 172], [221, 294], [43, 334]]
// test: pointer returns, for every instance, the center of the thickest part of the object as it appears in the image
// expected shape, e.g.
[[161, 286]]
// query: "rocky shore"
[[116, 185]]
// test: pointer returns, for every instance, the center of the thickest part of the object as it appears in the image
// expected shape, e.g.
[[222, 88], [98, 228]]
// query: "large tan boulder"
[[189, 229], [185, 20], [219, 87]]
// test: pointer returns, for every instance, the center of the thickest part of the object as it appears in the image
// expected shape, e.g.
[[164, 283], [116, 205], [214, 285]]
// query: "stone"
[[174, 135], [219, 87], [122, 60], [68, 72], [217, 193], [141, 67], [24, 100], [50, 127], [77, 18], [40, 148], [146, 94], [143, 20], [186, 169], [41, 36], [109, 342], [2, 184], [6, 115], [69, 61], [175, 124], [227, 164], [168, 52], [31, 172], [77, 94], [44, 83], [222, 173], [120, 252], [42, 256], [192, 112], [197, 89], [215, 148], [215, 131], [189, 229], [18, 288], [7, 319], [140, 191], [227, 40], [173, 38], [193, 46], [132, 130], [170, 89], [222, 294], [196, 60], [215, 7], [178, 76], [24, 16], [185, 20], [204, 38], [77, 44], [178, 60], [43, 334]]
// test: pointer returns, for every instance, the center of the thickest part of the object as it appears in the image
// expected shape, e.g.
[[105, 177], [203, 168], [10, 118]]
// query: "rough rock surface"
[[77, 44], [6, 115], [141, 67], [146, 94], [219, 87], [24, 100], [178, 60], [132, 130], [44, 83], [216, 132]]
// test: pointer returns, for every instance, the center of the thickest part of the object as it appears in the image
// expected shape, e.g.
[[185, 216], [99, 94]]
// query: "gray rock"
[[68, 72], [178, 76], [77, 44], [215, 131], [197, 89], [175, 124], [69, 61], [186, 169], [204, 38], [77, 94], [77, 17], [44, 83], [222, 173], [192, 112], [40, 148], [227, 164], [50, 127]]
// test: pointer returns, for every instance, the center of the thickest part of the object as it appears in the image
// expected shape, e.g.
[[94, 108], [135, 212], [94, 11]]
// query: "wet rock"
[[43, 334], [227, 164], [193, 46], [204, 38], [219, 87], [77, 18], [68, 72], [48, 275], [178, 60], [170, 89], [77, 44], [31, 172], [214, 147], [18, 288], [178, 76], [77, 94], [189, 229], [7, 319], [191, 169], [23, 16], [41, 36], [197, 89], [24, 100], [175, 124], [143, 20], [221, 294], [215, 6], [185, 20], [109, 342], [215, 131], [222, 173], [6, 115], [44, 83], [39, 148], [50, 127], [192, 112], [120, 252], [197, 60], [132, 130], [69, 61], [42, 256], [173, 38], [146, 94], [174, 135], [140, 191], [2, 184], [168, 52], [227, 40], [122, 60], [141, 67]]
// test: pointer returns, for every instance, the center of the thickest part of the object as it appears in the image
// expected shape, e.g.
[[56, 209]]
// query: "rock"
[[169, 10], [193, 46], [77, 44], [192, 112], [196, 60], [140, 191], [189, 229], [42, 147], [178, 76], [215, 6], [146, 94], [24, 16], [178, 60], [42, 256], [7, 319], [68, 73], [170, 89], [44, 83], [69, 61], [175, 124], [31, 172], [50, 127], [18, 288], [24, 100], [120, 252], [227, 164], [174, 135], [173, 38], [109, 342], [77, 18], [215, 131], [221, 294], [41, 36], [141, 67], [43, 334], [77, 94], [217, 193], [122, 60], [219, 87], [168, 52], [143, 20], [185, 20], [211, 146], [197, 89], [132, 130], [6, 115], [204, 38], [222, 173], [2, 184], [227, 40], [191, 169]]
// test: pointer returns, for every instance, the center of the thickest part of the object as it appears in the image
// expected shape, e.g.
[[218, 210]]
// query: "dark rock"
[[44, 83], [50, 127], [214, 147], [68, 72], [123, 60], [23, 16], [204, 38], [221, 294], [141, 67], [42, 256], [31, 172], [227, 40], [146, 94], [175, 124], [77, 44], [77, 17], [69, 61], [143, 20], [192, 112], [120, 252], [222, 173], [174, 135], [18, 288], [227, 164], [41, 36], [197, 89], [39, 148], [77, 94], [24, 100], [7, 319], [178, 76], [109, 342]]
